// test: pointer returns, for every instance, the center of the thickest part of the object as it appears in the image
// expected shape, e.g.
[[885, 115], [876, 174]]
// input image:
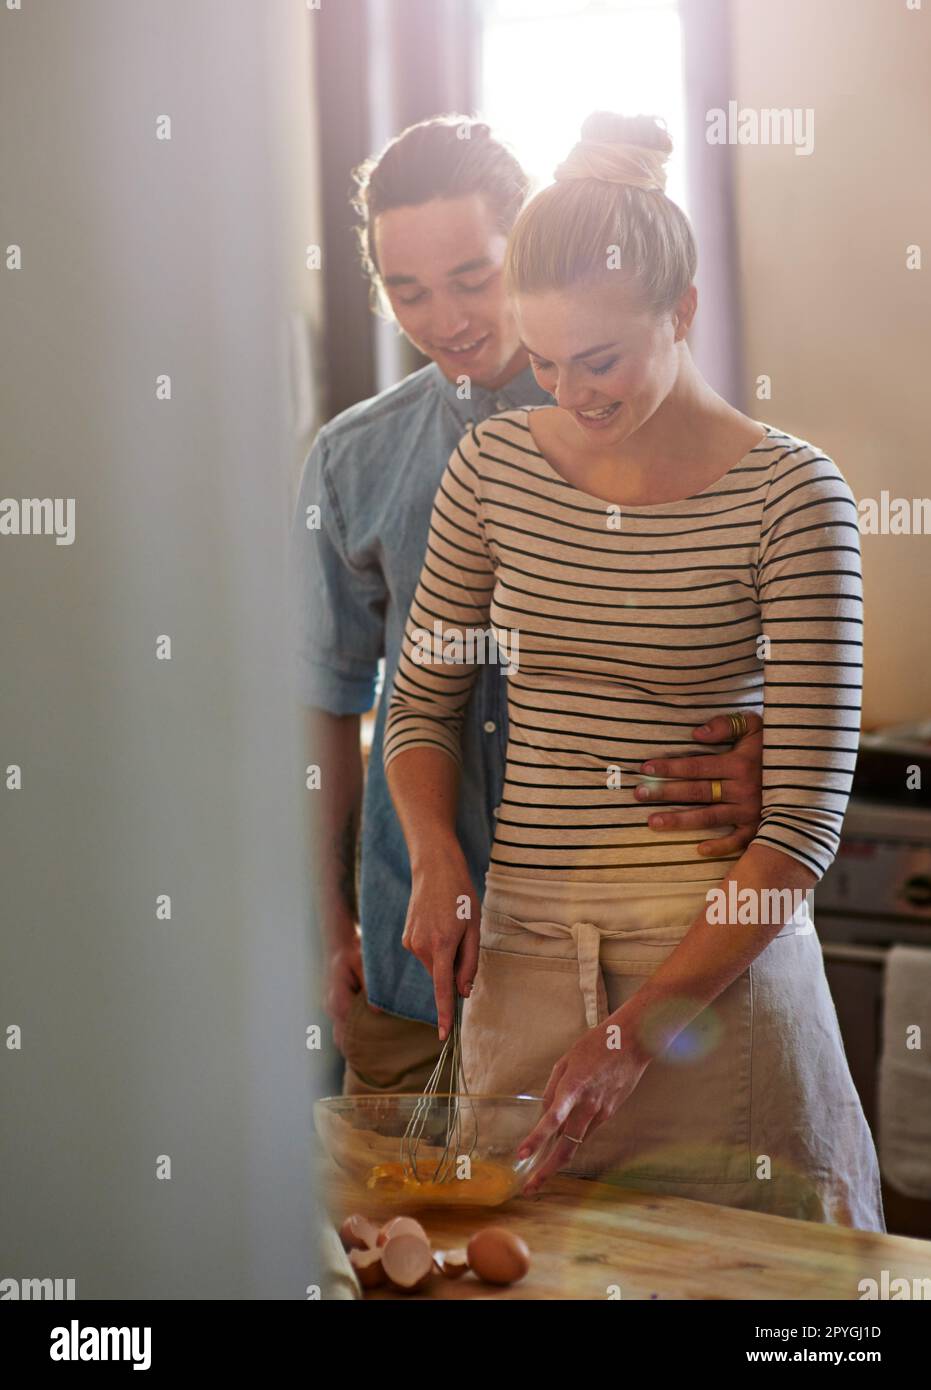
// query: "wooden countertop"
[[587, 1238]]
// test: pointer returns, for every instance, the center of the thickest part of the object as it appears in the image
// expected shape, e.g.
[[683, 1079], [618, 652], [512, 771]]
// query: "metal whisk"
[[434, 1093]]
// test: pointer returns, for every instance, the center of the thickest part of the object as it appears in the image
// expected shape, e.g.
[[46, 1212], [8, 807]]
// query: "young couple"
[[673, 569]]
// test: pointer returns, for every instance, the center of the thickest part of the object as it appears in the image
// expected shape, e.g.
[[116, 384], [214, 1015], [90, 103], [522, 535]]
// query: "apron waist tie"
[[587, 940]]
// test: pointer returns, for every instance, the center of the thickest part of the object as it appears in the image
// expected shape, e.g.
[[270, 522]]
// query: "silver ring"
[[570, 1138]]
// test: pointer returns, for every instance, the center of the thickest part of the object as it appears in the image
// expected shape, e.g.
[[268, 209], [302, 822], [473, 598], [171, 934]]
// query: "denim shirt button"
[[489, 726]]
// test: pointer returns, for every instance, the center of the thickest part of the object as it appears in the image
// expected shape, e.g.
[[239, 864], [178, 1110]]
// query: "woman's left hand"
[[586, 1087]]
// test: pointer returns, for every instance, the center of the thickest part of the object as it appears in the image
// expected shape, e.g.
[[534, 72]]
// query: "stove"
[[876, 894]]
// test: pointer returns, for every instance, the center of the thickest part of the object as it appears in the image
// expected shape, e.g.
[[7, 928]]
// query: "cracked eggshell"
[[452, 1264], [358, 1233], [407, 1261], [368, 1266], [402, 1225]]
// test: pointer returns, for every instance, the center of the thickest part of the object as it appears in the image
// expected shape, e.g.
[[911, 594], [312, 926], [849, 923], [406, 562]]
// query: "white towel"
[[905, 1072], [338, 1279]]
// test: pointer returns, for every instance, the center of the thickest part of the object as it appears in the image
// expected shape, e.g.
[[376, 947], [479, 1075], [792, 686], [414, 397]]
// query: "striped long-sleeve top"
[[621, 629]]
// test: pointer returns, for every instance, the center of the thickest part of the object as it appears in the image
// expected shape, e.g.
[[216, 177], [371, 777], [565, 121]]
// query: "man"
[[435, 210]]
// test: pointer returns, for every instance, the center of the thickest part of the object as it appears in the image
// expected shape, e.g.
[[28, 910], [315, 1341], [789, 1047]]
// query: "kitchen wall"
[[830, 311]]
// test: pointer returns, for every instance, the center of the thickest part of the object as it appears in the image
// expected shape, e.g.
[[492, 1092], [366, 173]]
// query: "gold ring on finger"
[[739, 725], [717, 791]]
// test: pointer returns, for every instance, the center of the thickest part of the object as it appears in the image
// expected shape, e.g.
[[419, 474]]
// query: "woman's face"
[[607, 364]]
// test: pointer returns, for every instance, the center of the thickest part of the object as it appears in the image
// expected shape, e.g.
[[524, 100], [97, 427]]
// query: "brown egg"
[[402, 1225], [498, 1256]]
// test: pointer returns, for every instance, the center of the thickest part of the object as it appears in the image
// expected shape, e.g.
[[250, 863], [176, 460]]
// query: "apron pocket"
[[523, 1013], [688, 1119]]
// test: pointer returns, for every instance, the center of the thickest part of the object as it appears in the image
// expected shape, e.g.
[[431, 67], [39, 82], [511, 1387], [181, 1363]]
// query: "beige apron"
[[752, 1106]]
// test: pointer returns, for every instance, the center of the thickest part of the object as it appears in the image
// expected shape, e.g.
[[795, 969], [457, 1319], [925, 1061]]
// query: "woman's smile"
[[597, 417]]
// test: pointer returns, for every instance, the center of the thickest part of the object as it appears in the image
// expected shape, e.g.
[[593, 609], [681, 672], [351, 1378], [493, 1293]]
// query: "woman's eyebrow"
[[577, 357], [589, 352]]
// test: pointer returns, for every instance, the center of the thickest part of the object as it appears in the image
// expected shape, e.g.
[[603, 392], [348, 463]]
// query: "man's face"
[[441, 266]]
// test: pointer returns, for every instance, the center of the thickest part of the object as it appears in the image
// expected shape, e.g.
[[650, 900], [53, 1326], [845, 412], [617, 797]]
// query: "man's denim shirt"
[[374, 471]]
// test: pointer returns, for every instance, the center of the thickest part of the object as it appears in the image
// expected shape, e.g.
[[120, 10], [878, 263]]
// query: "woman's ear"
[[685, 311]]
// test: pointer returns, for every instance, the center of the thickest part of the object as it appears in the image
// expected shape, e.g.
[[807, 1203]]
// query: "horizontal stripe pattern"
[[633, 629]]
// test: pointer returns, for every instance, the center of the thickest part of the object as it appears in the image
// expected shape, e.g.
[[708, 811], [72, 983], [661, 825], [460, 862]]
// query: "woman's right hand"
[[442, 928]]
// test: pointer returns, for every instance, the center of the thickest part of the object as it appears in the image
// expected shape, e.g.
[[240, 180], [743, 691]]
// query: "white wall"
[[830, 311], [144, 777]]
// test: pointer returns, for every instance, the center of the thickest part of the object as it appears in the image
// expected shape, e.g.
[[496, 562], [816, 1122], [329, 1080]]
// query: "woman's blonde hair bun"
[[630, 150], [607, 219]]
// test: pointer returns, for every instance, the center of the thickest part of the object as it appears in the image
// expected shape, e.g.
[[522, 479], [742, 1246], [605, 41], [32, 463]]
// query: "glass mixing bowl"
[[364, 1136]]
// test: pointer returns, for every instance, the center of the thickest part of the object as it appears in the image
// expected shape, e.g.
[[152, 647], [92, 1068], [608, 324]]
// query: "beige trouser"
[[753, 1105], [385, 1053]]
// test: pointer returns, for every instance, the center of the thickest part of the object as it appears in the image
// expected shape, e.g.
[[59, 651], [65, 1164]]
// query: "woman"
[[639, 548]]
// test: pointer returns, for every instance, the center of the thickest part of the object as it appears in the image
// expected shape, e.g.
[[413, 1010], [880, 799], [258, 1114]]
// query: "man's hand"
[[344, 979], [740, 773]]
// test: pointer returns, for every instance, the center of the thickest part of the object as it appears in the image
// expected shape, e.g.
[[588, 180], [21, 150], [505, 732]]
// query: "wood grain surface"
[[589, 1240]]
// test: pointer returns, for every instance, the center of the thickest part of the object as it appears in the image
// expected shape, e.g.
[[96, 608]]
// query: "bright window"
[[546, 64]]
